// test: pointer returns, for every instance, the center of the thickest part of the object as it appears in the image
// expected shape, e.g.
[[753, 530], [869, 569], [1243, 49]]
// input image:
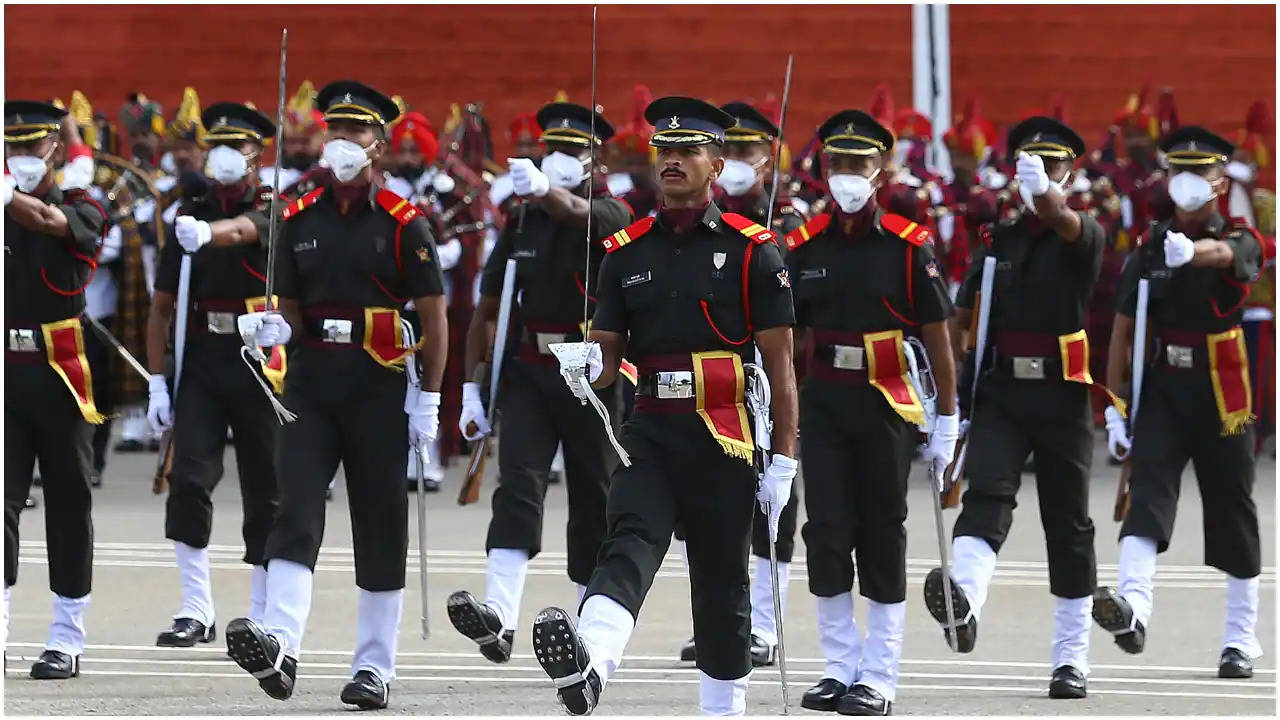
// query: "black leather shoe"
[[186, 632], [762, 653], [54, 665], [862, 700], [366, 691], [1234, 664], [824, 696], [566, 661], [482, 624], [689, 652], [1114, 614], [130, 446], [935, 600], [260, 655], [153, 446], [430, 485], [1067, 683]]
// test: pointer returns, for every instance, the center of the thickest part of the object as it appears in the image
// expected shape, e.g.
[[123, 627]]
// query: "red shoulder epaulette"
[[302, 203], [984, 234], [807, 231], [908, 230], [399, 208], [754, 231], [628, 234]]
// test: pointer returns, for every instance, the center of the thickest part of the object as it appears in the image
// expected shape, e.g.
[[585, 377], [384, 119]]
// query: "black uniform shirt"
[[1192, 298], [755, 205], [1042, 283], [550, 258], [651, 287], [849, 284], [36, 263], [220, 273]]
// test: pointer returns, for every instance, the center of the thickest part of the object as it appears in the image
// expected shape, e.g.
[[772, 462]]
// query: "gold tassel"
[[735, 451]]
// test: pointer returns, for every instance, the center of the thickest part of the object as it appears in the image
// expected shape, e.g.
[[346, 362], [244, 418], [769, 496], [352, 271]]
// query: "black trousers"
[[1178, 421], [100, 356], [218, 390], [1053, 419], [679, 473], [350, 411], [857, 455], [539, 413], [42, 423]]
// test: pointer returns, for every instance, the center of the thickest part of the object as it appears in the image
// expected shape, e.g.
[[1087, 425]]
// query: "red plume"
[[1258, 126], [1059, 104], [882, 105], [1166, 112]]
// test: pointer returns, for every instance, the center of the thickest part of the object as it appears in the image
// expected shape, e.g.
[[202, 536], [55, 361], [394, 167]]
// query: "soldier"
[[685, 293], [539, 411], [967, 203], [864, 280], [1195, 401], [1034, 399], [51, 240], [217, 390], [351, 254], [303, 130], [629, 158]]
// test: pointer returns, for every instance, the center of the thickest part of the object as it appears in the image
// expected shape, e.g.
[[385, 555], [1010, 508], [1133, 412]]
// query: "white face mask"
[[1028, 200], [27, 171], [1240, 172], [167, 164], [737, 177], [226, 165], [1189, 191], [563, 170], [344, 159], [851, 192]]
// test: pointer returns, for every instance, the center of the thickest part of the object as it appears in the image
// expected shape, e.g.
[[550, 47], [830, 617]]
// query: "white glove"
[[1178, 249], [942, 445], [775, 490], [527, 178], [1118, 442], [192, 234], [268, 328], [159, 413], [1031, 175], [424, 417], [472, 412], [6, 189]]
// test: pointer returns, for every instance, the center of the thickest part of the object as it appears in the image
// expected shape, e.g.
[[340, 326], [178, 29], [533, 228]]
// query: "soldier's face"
[[42, 148], [755, 154], [358, 133], [144, 144], [964, 163], [187, 156], [1057, 170], [1138, 143], [847, 164], [527, 146], [687, 172], [408, 154]]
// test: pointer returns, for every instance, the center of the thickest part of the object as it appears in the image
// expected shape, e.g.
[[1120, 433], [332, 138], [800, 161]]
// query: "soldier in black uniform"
[[1195, 402], [350, 256], [748, 168], [1034, 397], [51, 241], [547, 240], [864, 281], [684, 294], [224, 231]]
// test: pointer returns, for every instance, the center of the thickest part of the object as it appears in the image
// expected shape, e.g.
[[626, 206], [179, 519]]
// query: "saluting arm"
[[776, 348], [565, 207], [233, 231], [1052, 208], [34, 214], [1213, 253]]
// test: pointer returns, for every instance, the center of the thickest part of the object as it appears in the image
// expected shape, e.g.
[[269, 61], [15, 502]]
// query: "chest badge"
[[718, 259], [784, 279], [423, 255]]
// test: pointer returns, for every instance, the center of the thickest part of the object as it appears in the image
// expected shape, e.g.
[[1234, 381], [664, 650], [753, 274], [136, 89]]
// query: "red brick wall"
[[515, 57]]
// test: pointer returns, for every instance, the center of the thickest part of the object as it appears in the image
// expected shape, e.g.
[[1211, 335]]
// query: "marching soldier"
[[684, 293], [864, 280], [51, 241], [1195, 401], [1035, 398], [217, 390], [350, 255], [540, 412]]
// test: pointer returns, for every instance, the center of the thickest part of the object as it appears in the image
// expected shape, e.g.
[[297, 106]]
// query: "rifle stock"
[[160, 482], [1121, 509], [953, 478]]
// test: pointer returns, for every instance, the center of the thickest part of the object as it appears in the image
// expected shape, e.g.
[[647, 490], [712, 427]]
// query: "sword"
[[275, 185], [411, 370], [777, 152], [1137, 369], [113, 342]]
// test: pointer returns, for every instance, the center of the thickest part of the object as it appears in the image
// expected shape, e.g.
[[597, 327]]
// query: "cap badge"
[[346, 98], [1036, 137], [674, 123], [17, 119], [848, 129], [222, 120], [564, 123], [1191, 146]]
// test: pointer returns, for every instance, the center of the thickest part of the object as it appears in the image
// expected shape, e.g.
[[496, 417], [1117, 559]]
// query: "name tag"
[[1162, 274], [813, 273], [309, 245], [1004, 265], [637, 279], [522, 254]]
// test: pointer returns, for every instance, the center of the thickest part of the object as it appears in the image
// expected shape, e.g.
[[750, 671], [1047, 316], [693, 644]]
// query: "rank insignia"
[[718, 259], [931, 269], [423, 254], [784, 279]]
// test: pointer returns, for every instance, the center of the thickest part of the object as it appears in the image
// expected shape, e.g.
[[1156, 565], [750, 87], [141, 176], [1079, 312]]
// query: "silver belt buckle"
[[545, 340], [675, 385], [23, 340], [1028, 368], [848, 357], [222, 323], [1179, 356], [336, 331]]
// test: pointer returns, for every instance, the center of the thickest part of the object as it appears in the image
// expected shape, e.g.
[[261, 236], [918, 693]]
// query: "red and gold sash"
[[64, 344], [720, 384], [1074, 350], [1229, 370], [887, 371], [383, 339], [277, 364]]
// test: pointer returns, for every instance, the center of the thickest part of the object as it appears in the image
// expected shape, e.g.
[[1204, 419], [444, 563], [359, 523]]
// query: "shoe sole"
[[38, 673], [1110, 616], [210, 635], [1058, 692], [464, 613], [935, 600], [1233, 672], [556, 645], [862, 710], [808, 704], [247, 646]]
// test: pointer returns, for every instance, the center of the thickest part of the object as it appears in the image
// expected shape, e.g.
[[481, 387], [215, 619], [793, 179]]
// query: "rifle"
[[954, 475], [470, 490], [1121, 508]]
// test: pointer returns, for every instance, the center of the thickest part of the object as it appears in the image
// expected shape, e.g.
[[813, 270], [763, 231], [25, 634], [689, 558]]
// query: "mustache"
[[672, 171]]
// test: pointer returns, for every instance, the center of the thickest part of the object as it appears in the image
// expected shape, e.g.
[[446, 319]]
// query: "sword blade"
[[777, 152], [422, 539], [113, 342], [777, 613], [591, 176], [272, 230]]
